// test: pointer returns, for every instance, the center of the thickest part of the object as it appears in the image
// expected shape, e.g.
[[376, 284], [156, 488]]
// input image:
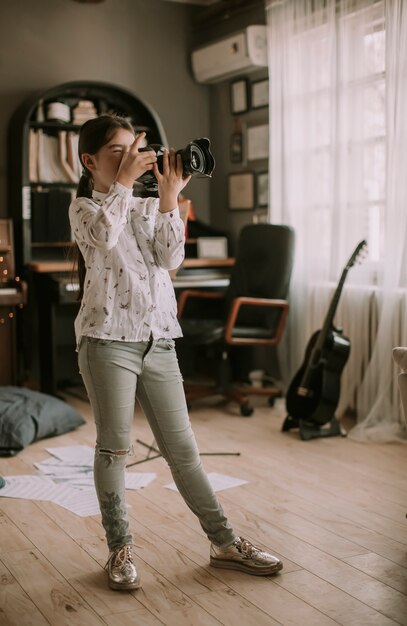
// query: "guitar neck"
[[329, 318]]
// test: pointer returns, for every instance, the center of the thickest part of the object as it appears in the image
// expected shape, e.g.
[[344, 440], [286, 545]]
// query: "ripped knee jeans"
[[114, 373]]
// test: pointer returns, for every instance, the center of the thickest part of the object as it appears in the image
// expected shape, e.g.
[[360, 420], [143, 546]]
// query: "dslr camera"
[[197, 160]]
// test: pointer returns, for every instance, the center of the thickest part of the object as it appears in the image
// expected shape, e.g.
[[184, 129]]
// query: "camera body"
[[197, 160]]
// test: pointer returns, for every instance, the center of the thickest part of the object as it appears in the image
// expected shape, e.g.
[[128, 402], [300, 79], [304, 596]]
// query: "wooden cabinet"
[[43, 133], [39, 207]]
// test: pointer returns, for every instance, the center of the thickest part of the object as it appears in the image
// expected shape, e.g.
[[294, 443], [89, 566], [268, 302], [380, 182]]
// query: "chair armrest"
[[195, 293], [237, 303]]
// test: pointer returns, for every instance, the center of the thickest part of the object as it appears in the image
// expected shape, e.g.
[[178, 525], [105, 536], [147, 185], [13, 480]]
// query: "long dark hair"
[[93, 135]]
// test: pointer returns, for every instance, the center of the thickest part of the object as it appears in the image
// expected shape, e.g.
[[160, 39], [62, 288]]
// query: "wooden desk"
[[56, 289], [208, 281], [202, 274], [66, 266], [196, 263]]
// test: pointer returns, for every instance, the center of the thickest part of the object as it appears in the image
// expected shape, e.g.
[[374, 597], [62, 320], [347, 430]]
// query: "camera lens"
[[196, 157]]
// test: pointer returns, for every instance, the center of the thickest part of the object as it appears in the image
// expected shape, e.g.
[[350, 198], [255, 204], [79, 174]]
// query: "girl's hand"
[[171, 182], [135, 163]]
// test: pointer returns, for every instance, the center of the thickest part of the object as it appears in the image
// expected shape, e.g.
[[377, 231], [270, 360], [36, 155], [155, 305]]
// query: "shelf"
[[29, 215], [13, 293], [64, 184], [55, 125], [75, 127], [43, 267], [16, 299], [52, 244]]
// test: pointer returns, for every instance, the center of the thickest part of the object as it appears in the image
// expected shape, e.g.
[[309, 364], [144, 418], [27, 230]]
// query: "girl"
[[125, 333]]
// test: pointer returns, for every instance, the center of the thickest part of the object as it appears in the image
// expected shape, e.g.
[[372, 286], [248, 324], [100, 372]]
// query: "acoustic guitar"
[[313, 394]]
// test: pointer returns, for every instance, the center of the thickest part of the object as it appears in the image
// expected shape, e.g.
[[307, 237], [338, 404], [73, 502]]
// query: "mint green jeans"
[[115, 373]]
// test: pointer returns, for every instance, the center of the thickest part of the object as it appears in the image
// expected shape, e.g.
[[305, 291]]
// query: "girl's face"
[[105, 163]]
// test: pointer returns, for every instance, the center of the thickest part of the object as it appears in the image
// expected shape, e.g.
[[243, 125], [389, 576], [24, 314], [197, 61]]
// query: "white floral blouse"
[[128, 247]]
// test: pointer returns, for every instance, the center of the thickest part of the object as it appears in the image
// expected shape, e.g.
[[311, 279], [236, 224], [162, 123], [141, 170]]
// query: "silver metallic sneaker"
[[244, 556], [121, 569]]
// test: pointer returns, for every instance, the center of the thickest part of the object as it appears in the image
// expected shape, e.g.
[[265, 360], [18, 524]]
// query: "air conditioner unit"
[[242, 52]]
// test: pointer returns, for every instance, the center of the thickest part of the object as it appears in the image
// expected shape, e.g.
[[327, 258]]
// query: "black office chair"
[[251, 312]]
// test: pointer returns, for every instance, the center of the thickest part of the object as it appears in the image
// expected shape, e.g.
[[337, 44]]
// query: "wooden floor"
[[333, 510]]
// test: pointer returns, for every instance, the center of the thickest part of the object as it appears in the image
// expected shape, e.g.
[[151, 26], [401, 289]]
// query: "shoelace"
[[122, 556], [247, 548]]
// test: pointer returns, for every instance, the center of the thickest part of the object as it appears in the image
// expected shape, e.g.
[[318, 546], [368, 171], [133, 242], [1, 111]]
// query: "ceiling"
[[216, 11]]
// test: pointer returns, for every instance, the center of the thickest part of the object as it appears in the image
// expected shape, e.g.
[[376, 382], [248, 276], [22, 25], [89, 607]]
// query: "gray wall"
[[222, 127], [141, 45]]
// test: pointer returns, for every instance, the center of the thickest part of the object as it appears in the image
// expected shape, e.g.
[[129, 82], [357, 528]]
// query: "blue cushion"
[[26, 416]]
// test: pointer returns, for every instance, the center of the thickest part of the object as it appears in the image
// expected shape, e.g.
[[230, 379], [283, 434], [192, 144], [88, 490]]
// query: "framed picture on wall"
[[262, 189], [258, 142], [239, 96], [260, 93], [236, 147], [241, 191]]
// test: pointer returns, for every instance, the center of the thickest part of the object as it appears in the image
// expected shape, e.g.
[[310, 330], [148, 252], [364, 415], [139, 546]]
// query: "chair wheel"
[[246, 410], [271, 401]]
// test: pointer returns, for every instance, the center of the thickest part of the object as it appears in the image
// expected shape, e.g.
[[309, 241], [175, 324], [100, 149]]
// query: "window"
[[343, 110], [374, 161]]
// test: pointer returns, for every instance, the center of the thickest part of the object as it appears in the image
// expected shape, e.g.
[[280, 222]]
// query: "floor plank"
[[83, 572], [357, 584], [141, 617], [332, 509], [53, 596], [158, 594], [339, 605], [381, 569], [228, 606], [16, 608]]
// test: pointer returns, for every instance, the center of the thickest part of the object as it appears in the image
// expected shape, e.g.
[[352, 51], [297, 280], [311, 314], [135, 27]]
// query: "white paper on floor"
[[31, 487], [218, 482], [137, 480], [81, 455], [81, 502], [55, 467], [67, 480]]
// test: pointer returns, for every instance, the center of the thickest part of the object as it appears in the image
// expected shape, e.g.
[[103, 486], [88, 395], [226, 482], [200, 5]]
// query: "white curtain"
[[338, 148]]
